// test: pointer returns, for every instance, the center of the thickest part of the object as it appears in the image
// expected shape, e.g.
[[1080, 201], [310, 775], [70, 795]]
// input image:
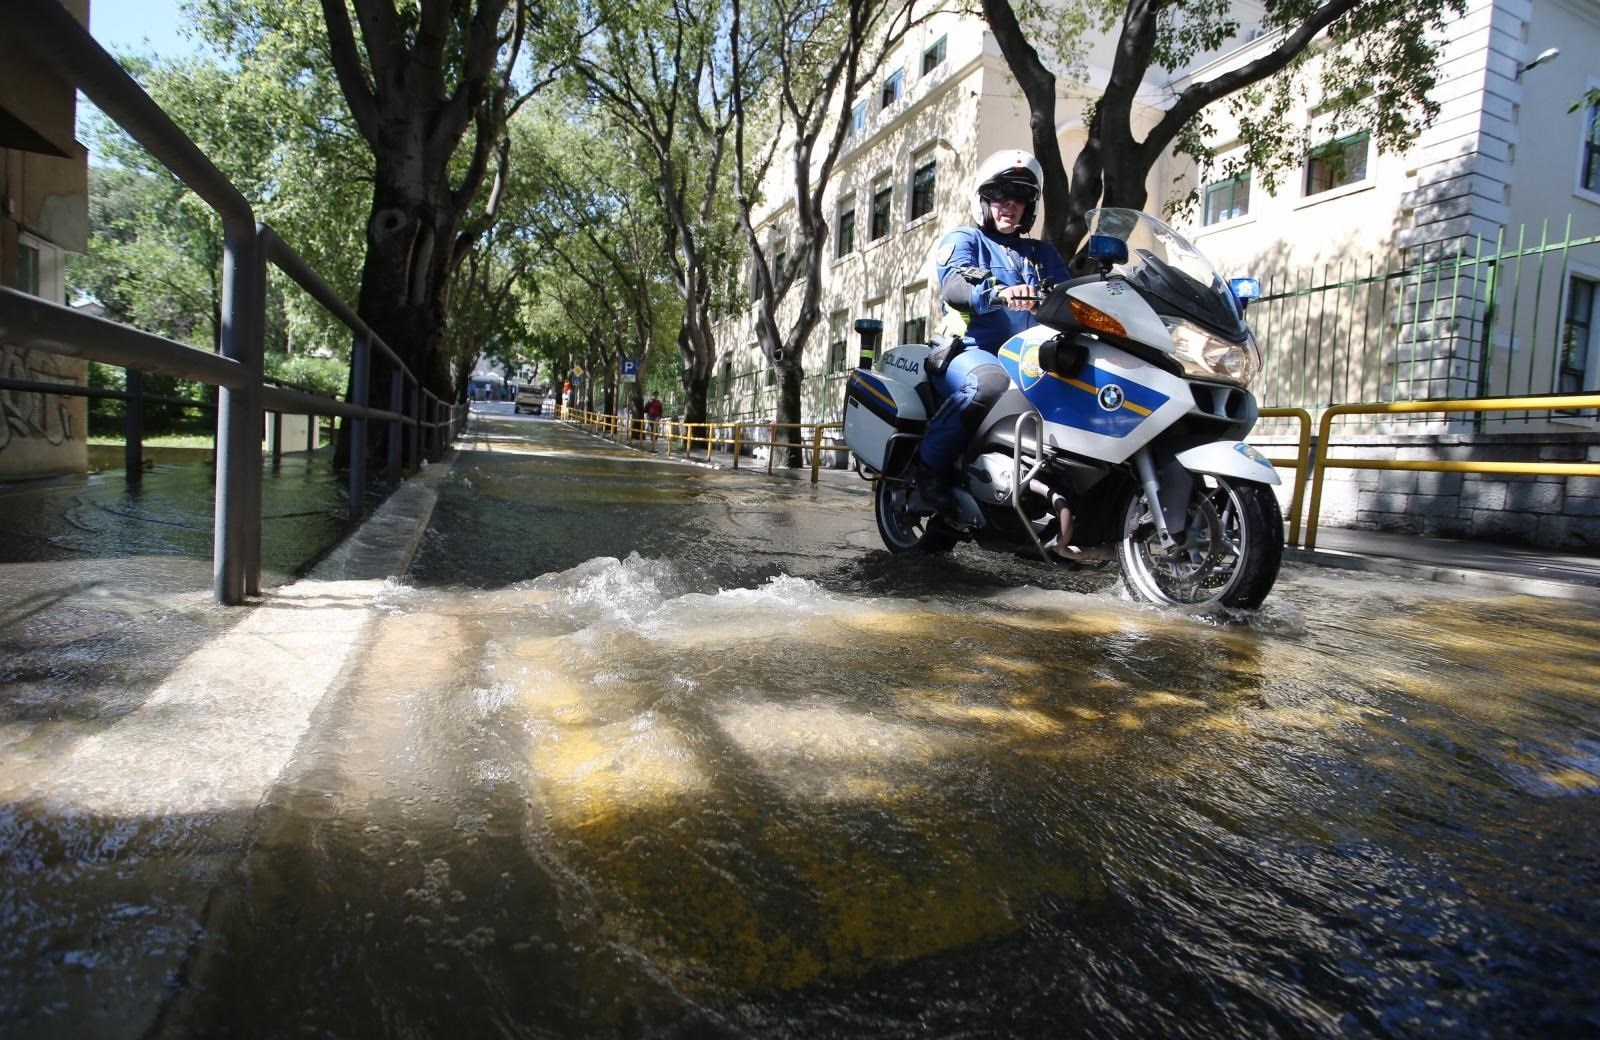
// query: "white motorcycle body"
[[1130, 415]]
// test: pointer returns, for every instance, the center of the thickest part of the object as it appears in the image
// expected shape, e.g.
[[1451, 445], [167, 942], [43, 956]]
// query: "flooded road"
[[639, 749]]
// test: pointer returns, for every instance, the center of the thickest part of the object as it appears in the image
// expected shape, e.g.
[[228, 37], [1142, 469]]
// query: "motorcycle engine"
[[989, 478]]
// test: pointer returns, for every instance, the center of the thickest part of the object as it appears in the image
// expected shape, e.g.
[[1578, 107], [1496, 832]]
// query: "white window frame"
[[838, 332], [1368, 179], [927, 154], [914, 304], [881, 183], [896, 77], [1592, 363], [1215, 175], [51, 283], [846, 204], [1578, 187]]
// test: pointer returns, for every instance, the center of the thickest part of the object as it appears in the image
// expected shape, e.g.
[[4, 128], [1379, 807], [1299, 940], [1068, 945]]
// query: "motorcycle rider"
[[989, 278]]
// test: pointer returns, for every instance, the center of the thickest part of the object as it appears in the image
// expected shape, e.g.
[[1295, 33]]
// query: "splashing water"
[[718, 768]]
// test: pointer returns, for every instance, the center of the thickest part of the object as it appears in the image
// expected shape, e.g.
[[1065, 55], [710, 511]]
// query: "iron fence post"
[[431, 408], [236, 533], [360, 366], [133, 427], [395, 390], [414, 435]]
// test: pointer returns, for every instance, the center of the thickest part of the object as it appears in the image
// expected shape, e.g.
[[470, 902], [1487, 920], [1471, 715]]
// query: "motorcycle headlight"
[[1202, 354]]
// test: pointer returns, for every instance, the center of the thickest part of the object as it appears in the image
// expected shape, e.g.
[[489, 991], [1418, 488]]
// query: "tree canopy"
[[1367, 62]]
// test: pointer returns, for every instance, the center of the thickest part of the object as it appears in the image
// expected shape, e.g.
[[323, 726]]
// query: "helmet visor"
[[1009, 191]]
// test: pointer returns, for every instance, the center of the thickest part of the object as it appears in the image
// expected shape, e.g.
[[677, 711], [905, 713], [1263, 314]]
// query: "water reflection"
[[647, 751], [624, 805]]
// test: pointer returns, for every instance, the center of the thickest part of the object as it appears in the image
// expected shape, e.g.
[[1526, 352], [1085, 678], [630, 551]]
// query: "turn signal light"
[[1096, 320]]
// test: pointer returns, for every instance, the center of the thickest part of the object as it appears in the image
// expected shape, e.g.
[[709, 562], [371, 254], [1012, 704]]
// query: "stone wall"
[[41, 434], [1549, 512]]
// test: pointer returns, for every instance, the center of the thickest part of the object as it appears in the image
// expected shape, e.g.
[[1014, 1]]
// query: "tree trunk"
[[397, 85], [404, 296], [1039, 88], [789, 406]]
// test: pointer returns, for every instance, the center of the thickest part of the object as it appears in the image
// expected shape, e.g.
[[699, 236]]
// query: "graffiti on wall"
[[30, 415]]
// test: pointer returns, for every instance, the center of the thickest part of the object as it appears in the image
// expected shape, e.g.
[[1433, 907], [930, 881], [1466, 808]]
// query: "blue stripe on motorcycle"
[[871, 392], [873, 387], [1077, 402]]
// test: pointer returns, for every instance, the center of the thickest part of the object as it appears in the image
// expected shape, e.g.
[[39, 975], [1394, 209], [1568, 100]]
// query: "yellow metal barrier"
[[714, 436], [1321, 463], [1316, 463], [1300, 464]]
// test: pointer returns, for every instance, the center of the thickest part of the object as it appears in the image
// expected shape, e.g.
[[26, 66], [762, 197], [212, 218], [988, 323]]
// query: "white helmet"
[[1012, 172]]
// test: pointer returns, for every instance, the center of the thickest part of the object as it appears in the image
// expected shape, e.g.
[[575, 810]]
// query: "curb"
[[383, 544], [1492, 581]]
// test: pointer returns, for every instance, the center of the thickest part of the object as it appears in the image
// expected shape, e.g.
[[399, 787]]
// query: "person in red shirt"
[[652, 412]]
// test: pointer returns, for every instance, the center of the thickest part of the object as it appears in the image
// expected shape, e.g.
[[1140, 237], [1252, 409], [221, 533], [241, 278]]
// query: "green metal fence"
[[1512, 316]]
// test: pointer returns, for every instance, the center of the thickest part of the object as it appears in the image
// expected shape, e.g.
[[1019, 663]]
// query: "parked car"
[[530, 399]]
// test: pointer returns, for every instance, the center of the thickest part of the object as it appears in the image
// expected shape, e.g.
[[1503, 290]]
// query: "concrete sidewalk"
[[1501, 568]]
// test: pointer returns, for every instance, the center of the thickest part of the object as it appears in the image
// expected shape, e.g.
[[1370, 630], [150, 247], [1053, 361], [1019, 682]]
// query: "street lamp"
[[1548, 54]]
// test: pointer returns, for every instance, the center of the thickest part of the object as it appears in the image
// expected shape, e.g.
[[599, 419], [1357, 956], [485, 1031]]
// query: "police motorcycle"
[[1124, 426]]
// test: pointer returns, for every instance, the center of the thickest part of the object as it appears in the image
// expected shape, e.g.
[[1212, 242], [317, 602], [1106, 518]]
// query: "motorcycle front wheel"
[[904, 530], [1228, 553]]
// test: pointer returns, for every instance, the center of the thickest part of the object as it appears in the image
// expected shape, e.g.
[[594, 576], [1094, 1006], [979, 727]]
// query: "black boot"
[[934, 485]]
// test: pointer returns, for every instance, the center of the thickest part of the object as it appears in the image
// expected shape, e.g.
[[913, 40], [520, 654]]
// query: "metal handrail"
[[65, 46], [1321, 463]]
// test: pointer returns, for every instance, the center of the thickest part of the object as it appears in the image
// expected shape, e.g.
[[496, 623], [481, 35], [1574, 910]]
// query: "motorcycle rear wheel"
[[904, 530], [1229, 555]]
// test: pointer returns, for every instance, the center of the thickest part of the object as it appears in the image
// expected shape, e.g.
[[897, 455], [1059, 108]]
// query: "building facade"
[[942, 102], [1462, 267], [44, 214], [1466, 267]]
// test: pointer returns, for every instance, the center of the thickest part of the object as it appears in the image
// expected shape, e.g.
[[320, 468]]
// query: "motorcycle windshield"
[[1174, 276]]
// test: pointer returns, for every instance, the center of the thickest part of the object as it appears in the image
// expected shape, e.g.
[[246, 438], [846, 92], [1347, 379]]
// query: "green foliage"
[[160, 417], [1370, 64], [154, 257], [156, 249], [321, 375], [316, 182]]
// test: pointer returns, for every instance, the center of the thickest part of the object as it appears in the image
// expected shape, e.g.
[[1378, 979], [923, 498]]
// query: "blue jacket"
[[1011, 260]]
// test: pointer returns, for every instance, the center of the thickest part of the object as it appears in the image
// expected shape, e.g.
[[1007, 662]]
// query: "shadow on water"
[[623, 805], [169, 513]]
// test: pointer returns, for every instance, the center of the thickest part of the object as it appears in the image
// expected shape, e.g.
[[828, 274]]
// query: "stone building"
[[1406, 260], [44, 214]]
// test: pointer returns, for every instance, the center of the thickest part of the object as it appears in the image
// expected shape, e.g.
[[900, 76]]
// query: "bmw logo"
[[1111, 397]]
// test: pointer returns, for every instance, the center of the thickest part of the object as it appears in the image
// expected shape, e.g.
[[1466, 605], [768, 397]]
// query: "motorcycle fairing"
[[1110, 410], [880, 398], [1115, 297], [907, 363], [884, 418], [1229, 459]]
